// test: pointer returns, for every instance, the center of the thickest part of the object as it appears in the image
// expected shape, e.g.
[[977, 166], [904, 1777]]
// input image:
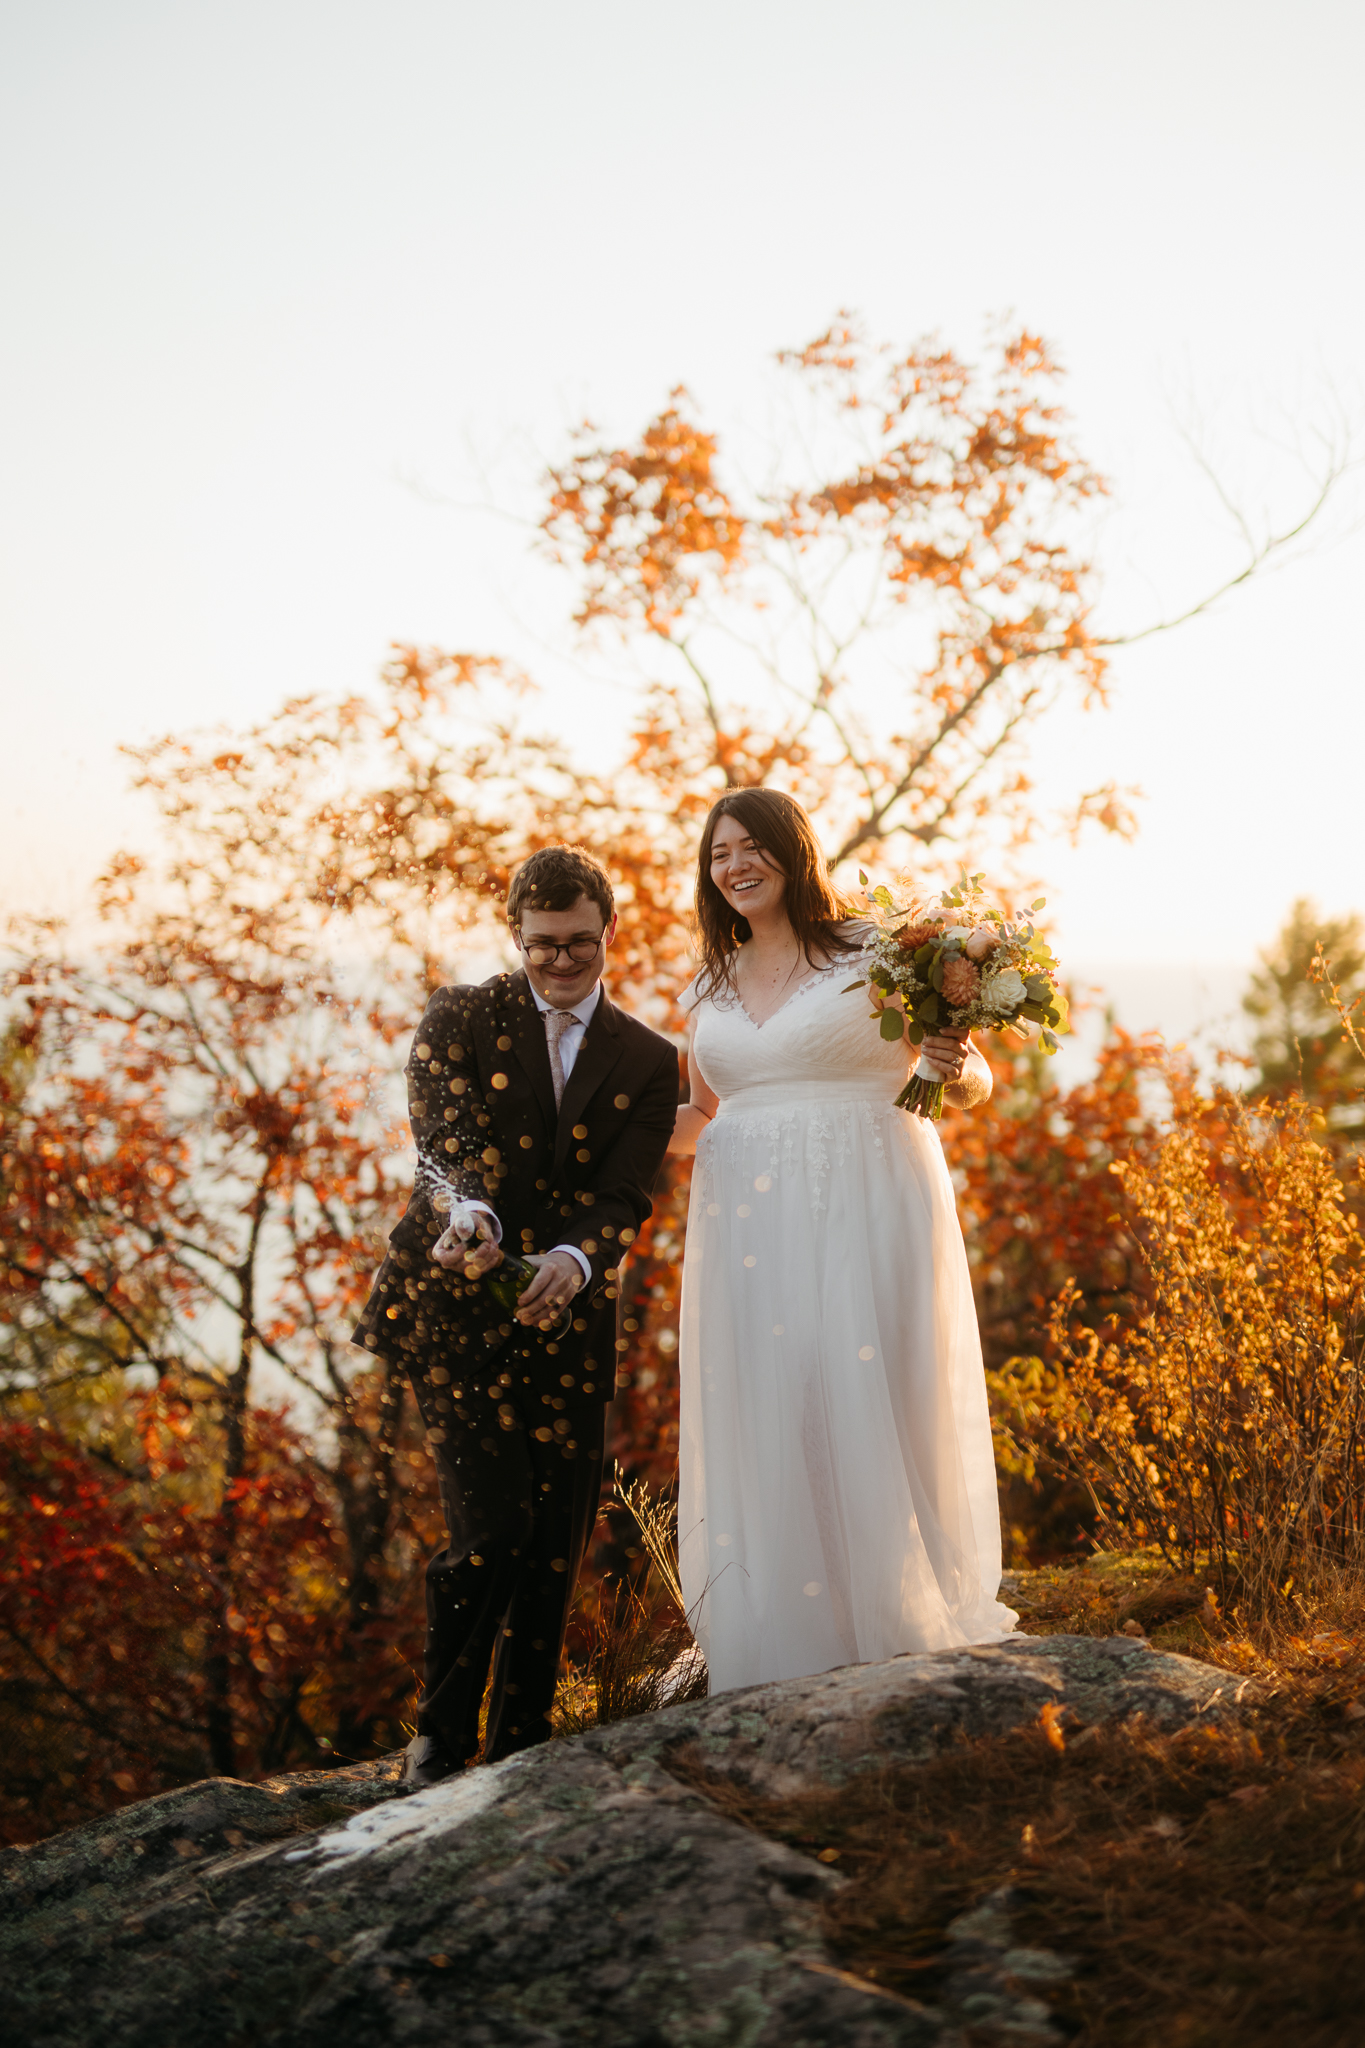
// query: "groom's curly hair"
[[815, 908], [554, 877]]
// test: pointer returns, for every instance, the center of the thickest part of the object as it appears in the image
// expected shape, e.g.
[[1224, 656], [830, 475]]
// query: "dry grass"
[[1210, 1889], [641, 1653], [1209, 1885], [642, 1657], [1129, 1591]]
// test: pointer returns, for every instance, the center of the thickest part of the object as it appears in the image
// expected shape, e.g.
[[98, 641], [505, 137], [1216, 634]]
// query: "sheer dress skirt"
[[837, 1485]]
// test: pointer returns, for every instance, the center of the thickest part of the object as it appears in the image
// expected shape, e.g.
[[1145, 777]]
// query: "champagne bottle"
[[509, 1281]]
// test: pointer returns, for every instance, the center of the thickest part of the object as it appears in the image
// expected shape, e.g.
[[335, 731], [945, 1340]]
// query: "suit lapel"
[[526, 1029], [598, 1054]]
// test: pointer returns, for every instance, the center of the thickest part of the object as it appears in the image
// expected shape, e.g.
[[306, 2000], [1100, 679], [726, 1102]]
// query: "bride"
[[837, 1488]]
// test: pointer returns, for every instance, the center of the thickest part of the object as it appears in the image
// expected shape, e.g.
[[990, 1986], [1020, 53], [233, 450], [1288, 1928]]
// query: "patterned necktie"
[[557, 1022]]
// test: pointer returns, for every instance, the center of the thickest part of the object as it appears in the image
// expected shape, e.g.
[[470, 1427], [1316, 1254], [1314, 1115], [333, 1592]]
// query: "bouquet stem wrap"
[[922, 1094]]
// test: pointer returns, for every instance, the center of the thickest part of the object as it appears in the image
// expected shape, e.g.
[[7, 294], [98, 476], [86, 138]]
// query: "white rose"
[[1004, 991]]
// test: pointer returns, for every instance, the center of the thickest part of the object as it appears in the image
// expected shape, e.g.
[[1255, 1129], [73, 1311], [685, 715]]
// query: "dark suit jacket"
[[482, 1107]]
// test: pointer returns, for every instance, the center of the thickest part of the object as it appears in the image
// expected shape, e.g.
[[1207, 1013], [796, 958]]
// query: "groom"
[[543, 1112]]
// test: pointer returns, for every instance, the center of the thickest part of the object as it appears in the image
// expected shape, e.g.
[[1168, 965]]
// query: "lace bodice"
[[820, 1044]]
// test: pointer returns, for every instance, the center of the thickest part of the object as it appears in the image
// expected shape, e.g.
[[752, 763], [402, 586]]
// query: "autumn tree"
[[881, 626], [196, 1186], [1297, 1040]]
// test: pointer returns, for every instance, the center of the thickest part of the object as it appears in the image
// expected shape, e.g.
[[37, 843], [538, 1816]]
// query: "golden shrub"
[[1227, 1426]]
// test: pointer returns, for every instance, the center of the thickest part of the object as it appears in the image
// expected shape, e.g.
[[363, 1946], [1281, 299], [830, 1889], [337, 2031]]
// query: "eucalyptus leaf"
[[927, 1010], [892, 1024]]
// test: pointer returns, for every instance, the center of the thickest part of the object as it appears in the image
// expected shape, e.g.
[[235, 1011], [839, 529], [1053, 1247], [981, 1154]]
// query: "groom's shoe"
[[425, 1763]]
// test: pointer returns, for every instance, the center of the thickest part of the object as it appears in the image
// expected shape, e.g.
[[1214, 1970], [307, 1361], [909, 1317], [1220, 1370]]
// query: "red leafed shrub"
[[138, 1597]]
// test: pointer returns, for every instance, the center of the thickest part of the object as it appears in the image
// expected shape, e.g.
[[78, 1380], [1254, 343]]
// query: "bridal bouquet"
[[957, 964]]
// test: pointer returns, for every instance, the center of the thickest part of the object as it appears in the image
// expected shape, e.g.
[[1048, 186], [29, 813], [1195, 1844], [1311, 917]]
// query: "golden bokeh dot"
[[779, 1329], [744, 1210], [750, 1260], [763, 1183], [713, 1208], [868, 1351], [623, 1102], [811, 1588]]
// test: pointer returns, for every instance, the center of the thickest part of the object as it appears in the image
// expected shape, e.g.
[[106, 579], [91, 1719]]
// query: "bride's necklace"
[[779, 979], [762, 987], [796, 962]]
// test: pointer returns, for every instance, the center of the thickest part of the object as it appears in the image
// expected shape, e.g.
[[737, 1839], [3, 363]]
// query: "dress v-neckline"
[[816, 974]]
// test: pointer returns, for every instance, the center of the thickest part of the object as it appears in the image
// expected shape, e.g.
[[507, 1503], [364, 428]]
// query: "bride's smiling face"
[[747, 878]]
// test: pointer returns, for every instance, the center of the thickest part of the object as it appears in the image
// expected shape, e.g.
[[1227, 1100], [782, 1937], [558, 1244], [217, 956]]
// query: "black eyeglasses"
[[542, 953]]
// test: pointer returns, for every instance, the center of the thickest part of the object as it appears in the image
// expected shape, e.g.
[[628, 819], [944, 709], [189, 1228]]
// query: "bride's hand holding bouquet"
[[936, 972]]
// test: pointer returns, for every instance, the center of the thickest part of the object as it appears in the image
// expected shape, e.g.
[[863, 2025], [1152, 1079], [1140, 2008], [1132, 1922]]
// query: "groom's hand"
[[475, 1259], [558, 1279]]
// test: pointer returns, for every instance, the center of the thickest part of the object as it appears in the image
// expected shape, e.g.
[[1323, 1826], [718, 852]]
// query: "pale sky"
[[265, 264]]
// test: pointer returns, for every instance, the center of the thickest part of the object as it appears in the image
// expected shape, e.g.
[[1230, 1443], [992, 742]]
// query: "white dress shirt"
[[572, 1039], [582, 1014]]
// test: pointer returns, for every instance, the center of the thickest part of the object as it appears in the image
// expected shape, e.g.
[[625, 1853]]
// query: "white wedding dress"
[[837, 1497]]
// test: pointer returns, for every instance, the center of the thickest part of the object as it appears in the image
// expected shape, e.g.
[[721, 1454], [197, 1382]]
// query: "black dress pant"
[[519, 1461]]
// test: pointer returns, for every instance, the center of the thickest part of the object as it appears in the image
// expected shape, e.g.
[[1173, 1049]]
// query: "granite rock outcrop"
[[582, 1892]]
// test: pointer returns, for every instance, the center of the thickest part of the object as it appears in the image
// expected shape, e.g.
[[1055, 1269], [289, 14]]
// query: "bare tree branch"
[[1259, 552]]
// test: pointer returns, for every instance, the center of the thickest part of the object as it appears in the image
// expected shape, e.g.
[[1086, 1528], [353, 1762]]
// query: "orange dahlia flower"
[[960, 983]]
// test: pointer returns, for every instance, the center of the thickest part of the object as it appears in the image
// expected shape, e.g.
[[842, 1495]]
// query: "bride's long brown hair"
[[815, 908]]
